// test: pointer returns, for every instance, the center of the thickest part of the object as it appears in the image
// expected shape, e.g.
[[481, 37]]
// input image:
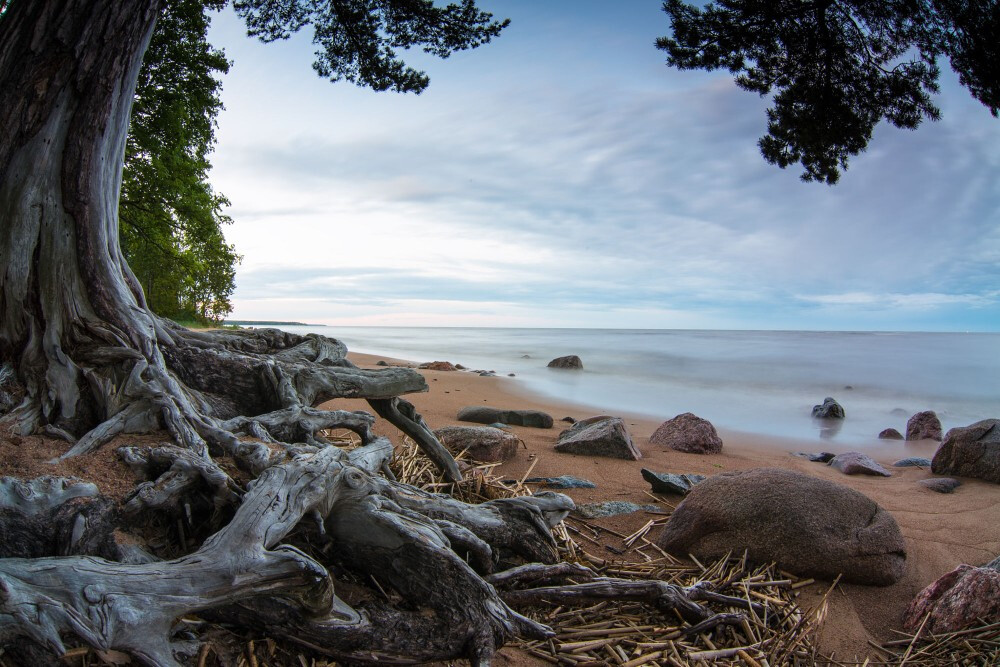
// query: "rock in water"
[[856, 463], [665, 482], [924, 426], [482, 414], [599, 436], [830, 409], [890, 434], [570, 361], [965, 597], [811, 527], [941, 484], [971, 451], [482, 443], [687, 433]]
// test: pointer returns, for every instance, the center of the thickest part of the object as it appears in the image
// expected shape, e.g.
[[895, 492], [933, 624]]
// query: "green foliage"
[[357, 39], [170, 216], [837, 68]]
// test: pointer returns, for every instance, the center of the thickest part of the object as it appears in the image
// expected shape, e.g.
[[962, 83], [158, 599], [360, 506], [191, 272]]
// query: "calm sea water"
[[754, 381]]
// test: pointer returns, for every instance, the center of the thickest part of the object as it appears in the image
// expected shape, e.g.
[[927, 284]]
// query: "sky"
[[564, 176]]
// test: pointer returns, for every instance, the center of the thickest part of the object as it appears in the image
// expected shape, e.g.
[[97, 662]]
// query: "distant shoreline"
[[269, 323]]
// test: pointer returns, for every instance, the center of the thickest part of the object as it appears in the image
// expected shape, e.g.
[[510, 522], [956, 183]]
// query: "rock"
[[381, 362], [830, 409], [438, 366], [912, 462], [687, 433], [924, 426], [599, 436], [856, 463], [890, 434], [482, 414], [487, 374], [665, 482], [568, 420], [511, 375], [994, 564], [965, 597], [570, 361], [819, 457], [899, 412], [610, 508], [460, 367], [971, 451], [941, 484], [809, 526], [482, 443], [563, 482]]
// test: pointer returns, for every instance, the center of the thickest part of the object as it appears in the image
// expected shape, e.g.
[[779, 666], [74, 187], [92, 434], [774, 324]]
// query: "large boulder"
[[687, 433], [481, 443], [856, 463], [829, 409], [570, 361], [971, 451], [482, 414], [599, 436], [965, 597], [811, 527], [924, 426]]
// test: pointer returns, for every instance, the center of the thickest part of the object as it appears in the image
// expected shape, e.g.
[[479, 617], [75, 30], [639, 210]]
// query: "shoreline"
[[941, 531]]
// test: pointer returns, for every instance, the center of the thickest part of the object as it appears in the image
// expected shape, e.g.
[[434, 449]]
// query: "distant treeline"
[[255, 323]]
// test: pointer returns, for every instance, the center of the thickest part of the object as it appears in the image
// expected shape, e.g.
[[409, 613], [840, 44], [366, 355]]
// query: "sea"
[[760, 382]]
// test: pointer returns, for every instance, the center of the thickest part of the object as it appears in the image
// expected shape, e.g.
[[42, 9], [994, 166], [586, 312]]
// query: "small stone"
[[570, 361], [830, 409], [687, 432], [890, 434], [665, 482], [568, 420], [437, 366], [941, 484], [912, 462], [562, 482], [819, 457], [611, 508], [381, 362], [924, 426], [460, 367], [856, 463], [599, 436]]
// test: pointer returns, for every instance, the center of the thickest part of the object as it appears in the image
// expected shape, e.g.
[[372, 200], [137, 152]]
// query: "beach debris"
[[856, 463], [812, 527], [971, 451], [599, 436], [924, 426], [438, 366], [818, 457], [665, 482], [569, 362], [611, 508], [483, 414], [941, 484], [829, 409], [689, 433], [562, 482], [482, 443], [913, 462], [890, 434], [965, 597]]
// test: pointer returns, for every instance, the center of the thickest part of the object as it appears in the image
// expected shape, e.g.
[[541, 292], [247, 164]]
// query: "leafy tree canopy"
[[170, 216], [836, 68]]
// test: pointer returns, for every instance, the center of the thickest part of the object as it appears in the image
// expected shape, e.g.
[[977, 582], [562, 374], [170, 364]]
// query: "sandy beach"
[[941, 531]]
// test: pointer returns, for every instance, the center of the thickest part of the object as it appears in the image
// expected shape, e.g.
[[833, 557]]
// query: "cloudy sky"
[[565, 176]]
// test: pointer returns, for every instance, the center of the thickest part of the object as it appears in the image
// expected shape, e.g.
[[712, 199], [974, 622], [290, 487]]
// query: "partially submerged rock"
[[941, 484], [971, 451], [856, 463], [665, 482], [890, 434], [562, 482], [924, 426], [687, 432], [965, 597], [829, 409], [486, 415], [570, 361], [809, 526], [599, 436], [481, 443]]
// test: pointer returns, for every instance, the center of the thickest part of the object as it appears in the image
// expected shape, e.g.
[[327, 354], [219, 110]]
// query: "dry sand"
[[941, 530]]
